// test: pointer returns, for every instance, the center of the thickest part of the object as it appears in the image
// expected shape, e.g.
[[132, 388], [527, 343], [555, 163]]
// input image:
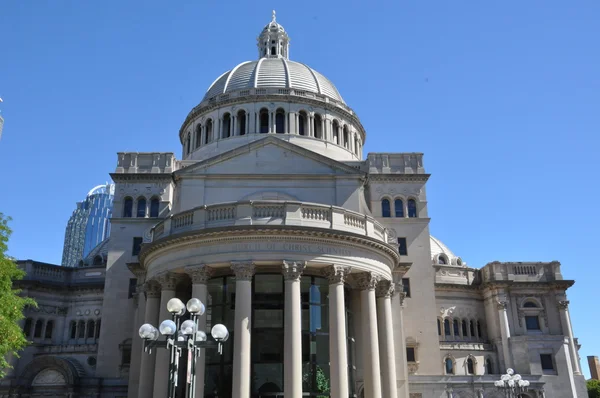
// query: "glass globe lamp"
[[188, 327], [146, 331], [167, 327], [176, 306], [200, 336], [195, 306], [219, 332]]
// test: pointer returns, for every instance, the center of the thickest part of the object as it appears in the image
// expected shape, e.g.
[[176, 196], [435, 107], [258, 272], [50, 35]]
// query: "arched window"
[[465, 331], [27, 327], [73, 329], [442, 260], [302, 123], [91, 329], [336, 132], [472, 328], [97, 329], [447, 330], [530, 304], [154, 207], [280, 121], [355, 145], [209, 131], [399, 208], [488, 366], [141, 207], [81, 330], [37, 332], [49, 329], [346, 141], [479, 329], [456, 328], [470, 366], [449, 366], [188, 143], [128, 207], [412, 208], [385, 208], [226, 125], [97, 260], [264, 121], [318, 126], [439, 327], [241, 118], [198, 135]]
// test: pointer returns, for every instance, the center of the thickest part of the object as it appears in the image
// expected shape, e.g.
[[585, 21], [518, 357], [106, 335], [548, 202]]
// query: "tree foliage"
[[593, 387], [12, 338]]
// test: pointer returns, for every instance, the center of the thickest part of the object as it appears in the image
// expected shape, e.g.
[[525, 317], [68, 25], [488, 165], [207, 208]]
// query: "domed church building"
[[316, 257]]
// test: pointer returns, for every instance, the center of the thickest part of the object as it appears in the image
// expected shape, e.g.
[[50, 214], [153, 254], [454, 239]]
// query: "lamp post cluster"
[[174, 335], [512, 384]]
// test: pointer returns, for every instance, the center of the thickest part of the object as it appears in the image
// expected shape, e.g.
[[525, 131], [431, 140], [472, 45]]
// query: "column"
[[387, 354], [367, 282], [292, 339], [200, 274], [152, 290], [244, 272], [311, 125], [271, 122], [504, 333], [233, 128], [168, 283], [247, 123], [338, 347], [400, 340], [136, 343], [565, 320]]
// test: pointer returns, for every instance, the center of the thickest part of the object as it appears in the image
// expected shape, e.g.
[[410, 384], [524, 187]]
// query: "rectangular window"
[[410, 354], [137, 245], [406, 286], [132, 287], [402, 249], [547, 363], [532, 323]]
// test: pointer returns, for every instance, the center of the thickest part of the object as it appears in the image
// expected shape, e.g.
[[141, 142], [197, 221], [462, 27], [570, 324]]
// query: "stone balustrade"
[[285, 213], [522, 271], [37, 271]]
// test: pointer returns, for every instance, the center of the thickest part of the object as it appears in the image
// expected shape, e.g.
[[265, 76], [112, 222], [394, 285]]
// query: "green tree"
[[12, 338], [593, 387]]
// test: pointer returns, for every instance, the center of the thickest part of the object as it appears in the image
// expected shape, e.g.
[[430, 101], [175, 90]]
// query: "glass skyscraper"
[[89, 224]]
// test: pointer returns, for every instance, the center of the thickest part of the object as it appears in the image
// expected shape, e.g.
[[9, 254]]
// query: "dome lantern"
[[273, 41]]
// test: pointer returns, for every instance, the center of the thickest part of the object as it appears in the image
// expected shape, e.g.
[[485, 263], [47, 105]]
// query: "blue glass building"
[[89, 224]]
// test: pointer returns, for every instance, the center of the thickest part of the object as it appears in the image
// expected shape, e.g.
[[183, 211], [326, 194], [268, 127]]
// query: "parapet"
[[145, 162], [395, 163]]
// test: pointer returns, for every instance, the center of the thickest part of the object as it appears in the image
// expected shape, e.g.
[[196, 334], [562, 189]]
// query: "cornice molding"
[[398, 177], [139, 177]]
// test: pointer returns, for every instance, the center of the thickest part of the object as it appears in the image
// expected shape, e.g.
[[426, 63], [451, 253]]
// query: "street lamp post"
[[174, 335], [512, 384]]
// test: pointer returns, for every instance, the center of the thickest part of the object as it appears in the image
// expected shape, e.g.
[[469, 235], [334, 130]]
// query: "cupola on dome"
[[273, 70]]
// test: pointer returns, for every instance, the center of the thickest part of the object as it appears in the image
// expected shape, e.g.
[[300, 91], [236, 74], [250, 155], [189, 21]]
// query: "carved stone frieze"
[[563, 305], [152, 289], [292, 270], [199, 274], [413, 367], [167, 280], [385, 289], [243, 270], [367, 280], [502, 305], [336, 274], [50, 309]]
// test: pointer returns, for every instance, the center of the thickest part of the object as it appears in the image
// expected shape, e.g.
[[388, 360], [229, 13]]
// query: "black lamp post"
[[174, 335]]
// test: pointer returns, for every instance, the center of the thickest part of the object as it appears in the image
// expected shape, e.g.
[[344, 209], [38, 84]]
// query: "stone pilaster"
[[367, 282], [244, 272], [565, 320]]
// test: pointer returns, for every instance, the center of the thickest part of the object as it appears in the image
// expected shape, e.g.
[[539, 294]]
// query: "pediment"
[[268, 156]]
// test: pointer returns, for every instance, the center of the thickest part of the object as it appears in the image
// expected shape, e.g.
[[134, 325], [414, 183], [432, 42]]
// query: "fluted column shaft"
[[136, 343], [565, 320], [241, 329], [387, 353], [152, 291], [367, 283], [504, 333], [200, 274], [292, 378], [161, 369], [338, 348]]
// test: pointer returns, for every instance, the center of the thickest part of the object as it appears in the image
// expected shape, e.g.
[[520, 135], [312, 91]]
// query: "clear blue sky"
[[503, 97]]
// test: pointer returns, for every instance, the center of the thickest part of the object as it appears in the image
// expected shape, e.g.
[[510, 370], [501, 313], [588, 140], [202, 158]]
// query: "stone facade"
[[320, 263]]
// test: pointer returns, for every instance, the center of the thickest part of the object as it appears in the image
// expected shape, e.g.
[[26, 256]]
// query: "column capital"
[[563, 305], [167, 280], [502, 305], [292, 270], [152, 289], [199, 274], [385, 289], [243, 270], [367, 280], [336, 274]]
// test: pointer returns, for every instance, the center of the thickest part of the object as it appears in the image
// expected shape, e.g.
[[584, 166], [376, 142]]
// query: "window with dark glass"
[[442, 260], [73, 329], [412, 208], [91, 325], [456, 328], [532, 322], [128, 207], [81, 331], [479, 329], [465, 333], [402, 248], [280, 121], [547, 362], [447, 330], [336, 132], [242, 122], [49, 329], [318, 124], [137, 246], [488, 366], [346, 141], [198, 135], [226, 125], [470, 366], [301, 123], [410, 354], [385, 208], [208, 132], [406, 286], [154, 207], [399, 208], [27, 327], [132, 287], [472, 328], [530, 304], [97, 336], [125, 355], [37, 331], [449, 366], [439, 324], [97, 260], [141, 208], [264, 121], [188, 143]]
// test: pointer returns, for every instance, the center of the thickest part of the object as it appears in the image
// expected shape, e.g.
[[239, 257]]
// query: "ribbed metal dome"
[[273, 73]]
